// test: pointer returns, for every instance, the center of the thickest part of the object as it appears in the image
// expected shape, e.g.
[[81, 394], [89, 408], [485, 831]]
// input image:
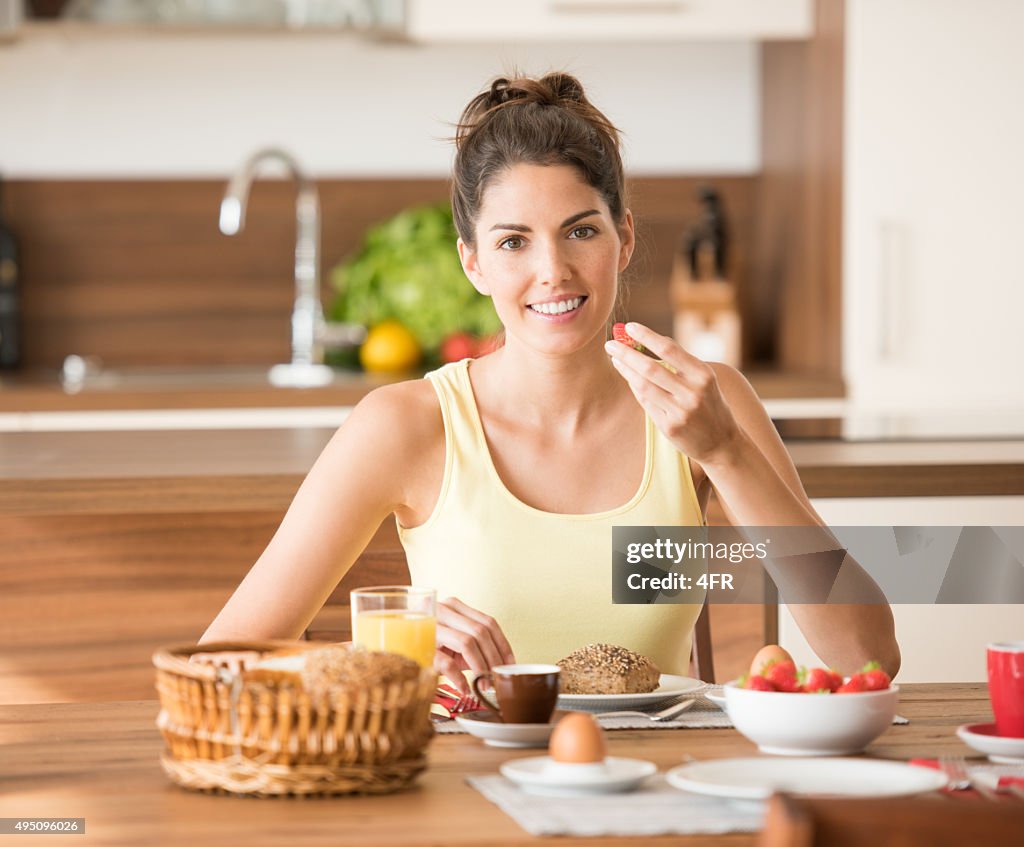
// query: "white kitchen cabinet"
[[607, 20], [939, 643], [933, 282]]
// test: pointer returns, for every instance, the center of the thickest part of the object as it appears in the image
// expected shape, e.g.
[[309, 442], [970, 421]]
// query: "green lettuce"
[[408, 269]]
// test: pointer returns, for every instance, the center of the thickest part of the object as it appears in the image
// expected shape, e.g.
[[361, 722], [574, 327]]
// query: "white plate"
[[982, 737], [488, 726], [756, 779], [541, 775], [669, 688]]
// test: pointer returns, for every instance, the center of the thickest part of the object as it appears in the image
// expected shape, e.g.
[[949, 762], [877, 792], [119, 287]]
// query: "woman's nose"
[[552, 265]]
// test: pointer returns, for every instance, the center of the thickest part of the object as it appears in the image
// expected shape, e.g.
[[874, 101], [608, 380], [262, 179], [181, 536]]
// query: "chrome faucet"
[[306, 367]]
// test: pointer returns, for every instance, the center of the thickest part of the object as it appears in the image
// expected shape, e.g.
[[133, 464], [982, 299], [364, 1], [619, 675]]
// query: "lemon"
[[389, 348]]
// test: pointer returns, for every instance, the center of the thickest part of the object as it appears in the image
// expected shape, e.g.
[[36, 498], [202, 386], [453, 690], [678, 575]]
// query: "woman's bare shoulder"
[[406, 414]]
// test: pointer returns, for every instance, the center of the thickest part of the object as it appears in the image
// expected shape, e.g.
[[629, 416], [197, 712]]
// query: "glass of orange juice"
[[398, 619]]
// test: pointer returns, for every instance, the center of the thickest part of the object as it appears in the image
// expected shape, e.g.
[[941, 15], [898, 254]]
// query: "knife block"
[[706, 321]]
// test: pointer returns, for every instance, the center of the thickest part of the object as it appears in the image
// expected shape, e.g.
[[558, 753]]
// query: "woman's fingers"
[[483, 627], [646, 367], [652, 397], [465, 645], [690, 367], [467, 639], [451, 666]]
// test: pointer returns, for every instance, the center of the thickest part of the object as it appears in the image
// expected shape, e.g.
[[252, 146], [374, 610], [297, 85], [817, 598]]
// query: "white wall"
[[77, 102]]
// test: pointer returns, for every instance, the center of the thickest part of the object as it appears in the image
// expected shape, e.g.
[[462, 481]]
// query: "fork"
[[463, 702], [663, 715], [955, 769]]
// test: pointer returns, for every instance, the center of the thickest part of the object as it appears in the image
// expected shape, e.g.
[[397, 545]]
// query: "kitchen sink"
[[79, 375]]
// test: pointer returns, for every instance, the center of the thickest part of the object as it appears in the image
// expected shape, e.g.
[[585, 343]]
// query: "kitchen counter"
[[44, 472], [232, 387], [228, 387]]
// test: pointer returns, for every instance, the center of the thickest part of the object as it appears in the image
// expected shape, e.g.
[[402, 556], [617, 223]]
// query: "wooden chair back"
[[934, 820]]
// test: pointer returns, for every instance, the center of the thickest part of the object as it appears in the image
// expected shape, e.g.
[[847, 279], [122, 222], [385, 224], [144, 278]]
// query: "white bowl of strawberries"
[[811, 712]]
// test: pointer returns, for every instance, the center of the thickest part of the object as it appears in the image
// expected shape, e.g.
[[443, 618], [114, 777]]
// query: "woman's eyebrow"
[[567, 222]]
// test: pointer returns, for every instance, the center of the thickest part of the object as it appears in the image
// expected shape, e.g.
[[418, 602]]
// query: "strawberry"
[[619, 334], [782, 675], [854, 685], [458, 346], [756, 683], [875, 679], [820, 680]]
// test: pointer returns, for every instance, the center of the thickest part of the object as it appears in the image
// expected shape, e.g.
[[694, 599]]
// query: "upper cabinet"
[[933, 291], [608, 20], [453, 21]]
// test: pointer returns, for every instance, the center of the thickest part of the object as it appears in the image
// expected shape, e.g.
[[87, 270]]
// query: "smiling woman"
[[507, 473]]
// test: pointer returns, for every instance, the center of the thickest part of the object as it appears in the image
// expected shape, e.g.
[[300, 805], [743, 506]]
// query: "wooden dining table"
[[100, 761]]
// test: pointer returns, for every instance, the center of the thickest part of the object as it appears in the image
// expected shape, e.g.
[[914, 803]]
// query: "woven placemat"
[[656, 808], [703, 714]]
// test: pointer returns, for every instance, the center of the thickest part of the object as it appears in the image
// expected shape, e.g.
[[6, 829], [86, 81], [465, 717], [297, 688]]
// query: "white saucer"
[[757, 779], [669, 688], [983, 738], [488, 726], [716, 696], [541, 775]]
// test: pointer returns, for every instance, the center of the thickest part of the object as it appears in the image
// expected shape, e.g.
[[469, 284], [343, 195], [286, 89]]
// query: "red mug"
[[1006, 687]]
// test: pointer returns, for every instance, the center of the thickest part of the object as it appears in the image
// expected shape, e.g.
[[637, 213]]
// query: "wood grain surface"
[[100, 761], [798, 247], [136, 272], [116, 543]]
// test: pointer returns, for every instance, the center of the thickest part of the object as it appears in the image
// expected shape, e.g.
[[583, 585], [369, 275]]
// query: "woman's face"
[[549, 254]]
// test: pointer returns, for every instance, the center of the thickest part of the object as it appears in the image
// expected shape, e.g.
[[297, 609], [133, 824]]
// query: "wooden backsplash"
[[137, 273]]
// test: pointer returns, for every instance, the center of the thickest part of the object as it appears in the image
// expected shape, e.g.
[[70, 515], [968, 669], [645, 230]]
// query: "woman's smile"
[[558, 309]]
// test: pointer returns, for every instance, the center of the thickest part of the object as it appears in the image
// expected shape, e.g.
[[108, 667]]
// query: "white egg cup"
[[575, 770]]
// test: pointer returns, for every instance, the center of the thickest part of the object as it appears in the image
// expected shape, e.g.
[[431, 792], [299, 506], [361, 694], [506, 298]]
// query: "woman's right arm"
[[358, 480]]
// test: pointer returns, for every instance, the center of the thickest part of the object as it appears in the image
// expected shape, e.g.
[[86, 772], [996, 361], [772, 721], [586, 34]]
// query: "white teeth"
[[558, 308]]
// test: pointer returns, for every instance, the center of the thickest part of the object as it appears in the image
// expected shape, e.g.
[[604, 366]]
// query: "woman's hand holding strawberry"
[[686, 405]]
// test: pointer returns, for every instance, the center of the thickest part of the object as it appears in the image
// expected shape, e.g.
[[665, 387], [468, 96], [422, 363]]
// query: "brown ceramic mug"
[[525, 693]]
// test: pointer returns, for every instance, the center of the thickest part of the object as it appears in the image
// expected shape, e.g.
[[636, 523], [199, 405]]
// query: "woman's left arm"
[[711, 413]]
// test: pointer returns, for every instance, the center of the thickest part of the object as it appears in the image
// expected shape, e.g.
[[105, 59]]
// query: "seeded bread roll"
[[607, 669]]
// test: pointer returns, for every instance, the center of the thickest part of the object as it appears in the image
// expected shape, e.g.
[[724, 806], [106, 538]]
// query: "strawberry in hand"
[[619, 334]]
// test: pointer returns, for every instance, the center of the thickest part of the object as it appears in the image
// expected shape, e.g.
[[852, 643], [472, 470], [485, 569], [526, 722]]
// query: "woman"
[[506, 473]]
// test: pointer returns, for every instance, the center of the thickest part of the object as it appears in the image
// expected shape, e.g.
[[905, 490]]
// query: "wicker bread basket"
[[226, 731]]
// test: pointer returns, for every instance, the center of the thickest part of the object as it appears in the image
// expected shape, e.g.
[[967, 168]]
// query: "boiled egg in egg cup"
[[577, 747], [577, 763]]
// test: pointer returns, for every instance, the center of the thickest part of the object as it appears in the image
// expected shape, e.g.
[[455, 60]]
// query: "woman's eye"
[[583, 231], [513, 242]]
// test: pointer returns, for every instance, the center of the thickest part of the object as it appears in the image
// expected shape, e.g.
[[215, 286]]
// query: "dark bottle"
[[708, 241], [10, 297]]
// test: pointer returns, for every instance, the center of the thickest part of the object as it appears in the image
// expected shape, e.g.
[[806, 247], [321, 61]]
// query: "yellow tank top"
[[545, 577]]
